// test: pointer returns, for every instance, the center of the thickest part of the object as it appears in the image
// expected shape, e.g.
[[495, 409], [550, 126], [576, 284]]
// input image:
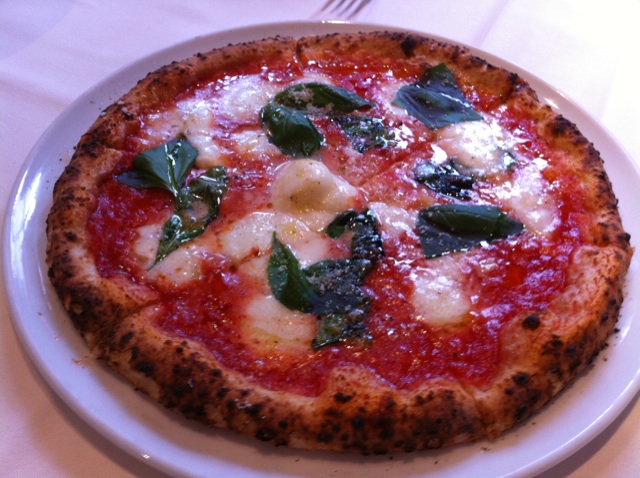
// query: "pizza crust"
[[540, 351]]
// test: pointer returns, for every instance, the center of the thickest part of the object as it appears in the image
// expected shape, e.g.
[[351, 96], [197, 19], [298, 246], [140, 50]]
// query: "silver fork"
[[346, 9]]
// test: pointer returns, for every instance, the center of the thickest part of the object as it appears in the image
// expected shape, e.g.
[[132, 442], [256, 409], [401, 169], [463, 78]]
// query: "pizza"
[[373, 243]]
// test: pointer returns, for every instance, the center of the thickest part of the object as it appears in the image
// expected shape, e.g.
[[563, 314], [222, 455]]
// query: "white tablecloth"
[[51, 51]]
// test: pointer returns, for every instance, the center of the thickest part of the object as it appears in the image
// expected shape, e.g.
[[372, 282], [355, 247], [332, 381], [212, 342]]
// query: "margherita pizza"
[[369, 242]]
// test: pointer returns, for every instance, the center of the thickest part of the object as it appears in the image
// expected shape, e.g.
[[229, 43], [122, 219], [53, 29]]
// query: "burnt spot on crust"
[[145, 368], [561, 126], [342, 398], [408, 45], [124, 339], [521, 379], [531, 322], [266, 434], [552, 346]]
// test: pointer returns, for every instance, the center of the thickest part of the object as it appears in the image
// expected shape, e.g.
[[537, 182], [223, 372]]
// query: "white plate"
[[179, 447]]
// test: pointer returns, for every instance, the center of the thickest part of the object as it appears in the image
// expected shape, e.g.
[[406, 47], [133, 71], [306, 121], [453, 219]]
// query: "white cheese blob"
[[197, 127], [394, 221], [439, 297], [194, 119], [182, 265], [241, 98], [476, 146], [306, 189], [251, 237], [527, 193], [253, 142], [270, 326]]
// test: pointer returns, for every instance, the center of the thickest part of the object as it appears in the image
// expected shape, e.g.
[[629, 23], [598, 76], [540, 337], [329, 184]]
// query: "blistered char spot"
[[125, 339], [144, 367], [408, 45], [342, 398], [531, 322], [521, 412], [552, 345], [266, 434], [521, 378]]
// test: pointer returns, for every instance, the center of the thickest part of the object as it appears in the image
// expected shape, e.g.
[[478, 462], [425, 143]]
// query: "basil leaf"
[[198, 205], [339, 327], [286, 279], [444, 179], [165, 166], [366, 242], [321, 98], [207, 188], [331, 288], [337, 284], [449, 228], [338, 226], [365, 132], [290, 130], [436, 99], [341, 303]]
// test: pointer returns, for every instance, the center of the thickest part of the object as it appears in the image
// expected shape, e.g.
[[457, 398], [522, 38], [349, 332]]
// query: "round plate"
[[180, 447]]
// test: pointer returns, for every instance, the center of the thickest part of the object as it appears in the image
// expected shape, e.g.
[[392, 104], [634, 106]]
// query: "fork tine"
[[359, 7], [347, 7], [330, 3], [344, 8]]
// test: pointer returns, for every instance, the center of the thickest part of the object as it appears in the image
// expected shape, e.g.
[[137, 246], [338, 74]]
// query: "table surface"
[[53, 51]]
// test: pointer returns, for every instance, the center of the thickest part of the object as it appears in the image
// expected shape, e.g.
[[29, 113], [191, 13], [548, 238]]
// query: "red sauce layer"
[[404, 352]]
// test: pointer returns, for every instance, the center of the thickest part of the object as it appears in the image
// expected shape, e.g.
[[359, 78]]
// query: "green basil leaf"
[[320, 98], [207, 188], [340, 223], [331, 288], [198, 205], [365, 132], [175, 232], [341, 304], [449, 228], [436, 99], [340, 327], [165, 166], [366, 242], [290, 130], [444, 179], [288, 282], [337, 284]]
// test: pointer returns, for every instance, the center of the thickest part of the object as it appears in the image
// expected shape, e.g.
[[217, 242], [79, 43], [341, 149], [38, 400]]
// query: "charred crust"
[[146, 368], [342, 398], [521, 379], [531, 322], [408, 46], [266, 434], [553, 346]]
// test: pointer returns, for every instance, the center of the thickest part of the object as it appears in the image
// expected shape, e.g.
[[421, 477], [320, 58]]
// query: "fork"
[[346, 9]]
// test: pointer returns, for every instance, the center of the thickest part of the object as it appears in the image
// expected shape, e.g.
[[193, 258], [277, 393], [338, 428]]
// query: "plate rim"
[[26, 171]]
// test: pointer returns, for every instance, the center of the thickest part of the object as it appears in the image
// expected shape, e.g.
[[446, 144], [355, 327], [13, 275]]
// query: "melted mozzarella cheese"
[[306, 189], [251, 237], [269, 325], [439, 297], [194, 119], [242, 97], [527, 193], [394, 221], [476, 146], [252, 142], [197, 128], [182, 265]]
